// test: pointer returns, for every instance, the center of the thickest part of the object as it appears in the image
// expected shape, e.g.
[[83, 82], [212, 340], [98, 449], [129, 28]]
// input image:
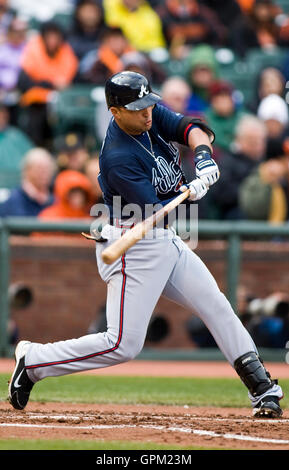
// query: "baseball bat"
[[132, 236]]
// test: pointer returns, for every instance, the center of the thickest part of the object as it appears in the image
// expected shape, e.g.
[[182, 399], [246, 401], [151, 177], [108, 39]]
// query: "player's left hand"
[[206, 168], [198, 189]]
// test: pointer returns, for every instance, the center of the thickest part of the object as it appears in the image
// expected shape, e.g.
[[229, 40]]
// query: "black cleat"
[[268, 407], [20, 385]]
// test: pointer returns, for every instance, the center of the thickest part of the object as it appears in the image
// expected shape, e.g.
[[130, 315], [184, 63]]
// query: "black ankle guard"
[[253, 374]]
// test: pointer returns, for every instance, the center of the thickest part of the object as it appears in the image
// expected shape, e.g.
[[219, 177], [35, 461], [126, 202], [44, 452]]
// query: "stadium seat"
[[74, 109], [284, 4], [63, 19], [9, 179], [13, 147], [242, 78], [243, 73], [258, 59], [73, 105], [175, 67]]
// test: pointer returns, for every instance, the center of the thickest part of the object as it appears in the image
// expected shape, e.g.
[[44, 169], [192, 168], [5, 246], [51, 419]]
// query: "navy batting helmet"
[[130, 90]]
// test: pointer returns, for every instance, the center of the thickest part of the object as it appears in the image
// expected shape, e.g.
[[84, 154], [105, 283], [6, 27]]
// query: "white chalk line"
[[199, 432], [68, 417]]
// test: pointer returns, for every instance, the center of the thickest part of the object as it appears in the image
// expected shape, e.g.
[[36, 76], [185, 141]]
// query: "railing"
[[234, 232]]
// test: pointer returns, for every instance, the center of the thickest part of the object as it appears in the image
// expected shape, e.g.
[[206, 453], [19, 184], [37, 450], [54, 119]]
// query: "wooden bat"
[[132, 236]]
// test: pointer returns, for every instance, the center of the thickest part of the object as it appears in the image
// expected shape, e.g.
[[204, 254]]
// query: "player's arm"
[[135, 187], [194, 133], [199, 137]]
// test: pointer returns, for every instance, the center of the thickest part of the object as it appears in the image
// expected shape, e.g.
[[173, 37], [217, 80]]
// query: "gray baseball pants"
[[162, 265]]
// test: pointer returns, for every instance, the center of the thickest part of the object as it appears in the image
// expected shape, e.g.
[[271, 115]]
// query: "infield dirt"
[[208, 427], [194, 426]]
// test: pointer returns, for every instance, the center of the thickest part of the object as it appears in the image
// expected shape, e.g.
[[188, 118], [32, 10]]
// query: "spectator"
[[142, 63], [273, 111], [186, 23], [228, 12], [34, 193], [202, 72], [71, 153], [176, 93], [223, 115], [257, 29], [249, 151], [13, 146], [270, 81], [98, 66], [115, 54], [87, 27], [264, 194], [139, 22], [48, 64], [73, 197], [6, 16], [10, 57]]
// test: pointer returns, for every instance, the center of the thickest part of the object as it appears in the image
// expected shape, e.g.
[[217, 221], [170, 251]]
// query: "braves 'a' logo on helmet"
[[143, 91]]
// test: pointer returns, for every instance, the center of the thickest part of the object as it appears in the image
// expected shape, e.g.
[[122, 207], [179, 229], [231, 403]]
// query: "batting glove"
[[198, 189], [206, 168]]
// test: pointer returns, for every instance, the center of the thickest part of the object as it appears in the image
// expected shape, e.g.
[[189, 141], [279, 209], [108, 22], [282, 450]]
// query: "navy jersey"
[[130, 169]]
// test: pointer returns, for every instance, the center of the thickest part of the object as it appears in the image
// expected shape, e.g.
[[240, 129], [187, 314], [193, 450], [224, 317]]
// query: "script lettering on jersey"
[[166, 177]]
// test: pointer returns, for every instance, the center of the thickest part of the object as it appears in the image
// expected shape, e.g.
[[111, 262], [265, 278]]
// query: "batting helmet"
[[130, 90]]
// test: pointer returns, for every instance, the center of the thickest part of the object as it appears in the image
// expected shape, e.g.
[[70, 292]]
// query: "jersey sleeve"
[[176, 127], [167, 122]]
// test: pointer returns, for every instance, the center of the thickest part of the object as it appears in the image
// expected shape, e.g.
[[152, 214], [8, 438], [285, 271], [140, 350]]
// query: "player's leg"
[[192, 285], [135, 283]]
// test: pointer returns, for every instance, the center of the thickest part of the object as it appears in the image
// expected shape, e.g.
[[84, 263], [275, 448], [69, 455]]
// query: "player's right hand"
[[198, 189]]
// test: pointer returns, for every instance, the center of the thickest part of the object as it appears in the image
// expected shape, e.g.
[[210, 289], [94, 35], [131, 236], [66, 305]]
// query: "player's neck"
[[127, 129]]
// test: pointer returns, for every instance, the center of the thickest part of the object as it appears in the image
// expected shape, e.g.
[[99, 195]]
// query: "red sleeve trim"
[[187, 131]]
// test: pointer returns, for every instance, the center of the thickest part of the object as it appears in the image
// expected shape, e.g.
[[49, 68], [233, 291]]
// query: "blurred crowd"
[[184, 47]]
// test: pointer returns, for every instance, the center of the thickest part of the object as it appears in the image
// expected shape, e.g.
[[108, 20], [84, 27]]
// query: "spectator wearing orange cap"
[[73, 197]]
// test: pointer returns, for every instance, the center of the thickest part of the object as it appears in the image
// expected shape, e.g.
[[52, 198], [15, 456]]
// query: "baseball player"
[[139, 163]]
